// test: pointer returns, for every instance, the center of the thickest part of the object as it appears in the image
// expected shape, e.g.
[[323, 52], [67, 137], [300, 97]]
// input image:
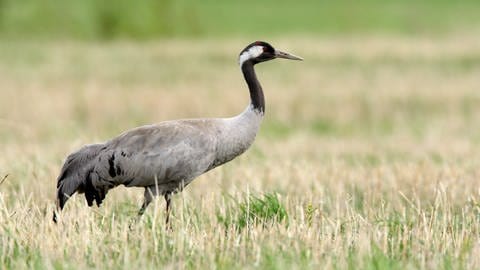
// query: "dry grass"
[[371, 143]]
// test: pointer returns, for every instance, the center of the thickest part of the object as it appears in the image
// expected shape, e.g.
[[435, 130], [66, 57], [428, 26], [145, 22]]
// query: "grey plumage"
[[163, 158]]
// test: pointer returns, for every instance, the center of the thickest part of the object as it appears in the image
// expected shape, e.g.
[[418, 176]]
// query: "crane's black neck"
[[256, 93]]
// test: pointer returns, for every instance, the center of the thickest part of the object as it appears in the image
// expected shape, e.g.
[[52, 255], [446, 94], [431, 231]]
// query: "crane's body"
[[165, 157]]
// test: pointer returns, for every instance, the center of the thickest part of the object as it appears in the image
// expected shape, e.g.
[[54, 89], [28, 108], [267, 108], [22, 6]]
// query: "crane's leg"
[[148, 197], [168, 200]]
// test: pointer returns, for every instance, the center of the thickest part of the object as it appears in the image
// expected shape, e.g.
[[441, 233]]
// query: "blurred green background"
[[149, 19]]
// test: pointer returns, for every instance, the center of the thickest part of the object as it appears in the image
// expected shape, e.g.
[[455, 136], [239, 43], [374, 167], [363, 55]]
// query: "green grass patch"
[[255, 210]]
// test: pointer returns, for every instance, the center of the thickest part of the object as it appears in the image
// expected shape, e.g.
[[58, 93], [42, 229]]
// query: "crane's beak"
[[280, 54]]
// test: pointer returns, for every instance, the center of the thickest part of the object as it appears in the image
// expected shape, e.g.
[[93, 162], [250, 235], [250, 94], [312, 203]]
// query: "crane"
[[165, 157]]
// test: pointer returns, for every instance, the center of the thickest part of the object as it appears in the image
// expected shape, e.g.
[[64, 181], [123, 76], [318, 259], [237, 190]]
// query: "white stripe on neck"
[[253, 52]]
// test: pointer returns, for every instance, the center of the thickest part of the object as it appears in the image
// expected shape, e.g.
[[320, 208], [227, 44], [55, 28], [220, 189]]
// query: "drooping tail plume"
[[74, 174]]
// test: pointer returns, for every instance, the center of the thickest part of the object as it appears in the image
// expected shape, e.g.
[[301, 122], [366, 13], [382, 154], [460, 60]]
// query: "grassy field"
[[368, 158]]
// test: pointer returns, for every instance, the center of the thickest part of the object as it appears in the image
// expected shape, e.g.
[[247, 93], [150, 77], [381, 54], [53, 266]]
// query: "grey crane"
[[165, 157]]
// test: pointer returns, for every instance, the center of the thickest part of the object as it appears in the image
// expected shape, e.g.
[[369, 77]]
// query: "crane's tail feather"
[[66, 190], [75, 176], [92, 193]]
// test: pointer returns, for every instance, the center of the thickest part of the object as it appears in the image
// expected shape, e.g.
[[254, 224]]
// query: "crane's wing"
[[167, 152]]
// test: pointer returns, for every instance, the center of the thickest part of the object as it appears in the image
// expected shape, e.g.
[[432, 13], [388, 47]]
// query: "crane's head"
[[260, 51]]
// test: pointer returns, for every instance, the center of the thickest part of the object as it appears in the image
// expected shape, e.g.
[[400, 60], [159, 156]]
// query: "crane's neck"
[[256, 93], [236, 134]]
